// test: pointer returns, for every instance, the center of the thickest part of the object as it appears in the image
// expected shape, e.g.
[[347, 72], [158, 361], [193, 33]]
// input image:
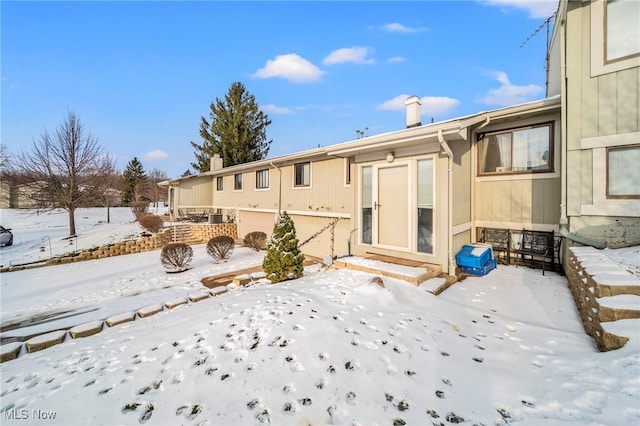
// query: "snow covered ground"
[[329, 348]]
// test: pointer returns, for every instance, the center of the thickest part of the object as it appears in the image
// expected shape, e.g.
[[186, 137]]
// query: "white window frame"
[[599, 65], [262, 188], [601, 205], [235, 189], [610, 196], [310, 175]]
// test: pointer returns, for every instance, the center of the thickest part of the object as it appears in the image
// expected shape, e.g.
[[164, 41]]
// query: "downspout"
[[564, 221], [279, 185], [445, 147]]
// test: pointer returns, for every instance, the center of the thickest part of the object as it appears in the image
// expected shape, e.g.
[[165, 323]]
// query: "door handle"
[[376, 205]]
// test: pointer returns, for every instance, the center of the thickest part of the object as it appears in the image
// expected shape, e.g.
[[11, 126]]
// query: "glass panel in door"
[[425, 206]]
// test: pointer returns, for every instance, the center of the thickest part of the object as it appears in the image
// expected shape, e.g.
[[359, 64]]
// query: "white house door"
[[391, 207]]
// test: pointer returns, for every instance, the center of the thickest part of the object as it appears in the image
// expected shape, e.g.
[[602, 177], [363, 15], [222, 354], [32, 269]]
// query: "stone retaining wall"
[[586, 290], [201, 232], [204, 232]]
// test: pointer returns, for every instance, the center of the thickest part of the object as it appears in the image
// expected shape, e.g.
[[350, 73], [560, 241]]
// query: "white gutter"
[[451, 266]]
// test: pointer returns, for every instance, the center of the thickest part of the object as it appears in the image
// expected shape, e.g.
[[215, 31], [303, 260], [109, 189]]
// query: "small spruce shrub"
[[176, 257], [151, 222], [256, 240], [220, 247], [284, 260]]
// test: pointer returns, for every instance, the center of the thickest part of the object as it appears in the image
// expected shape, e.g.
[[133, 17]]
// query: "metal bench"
[[500, 241], [542, 246]]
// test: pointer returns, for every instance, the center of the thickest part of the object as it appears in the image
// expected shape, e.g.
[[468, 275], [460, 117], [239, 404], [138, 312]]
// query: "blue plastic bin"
[[474, 256], [483, 270]]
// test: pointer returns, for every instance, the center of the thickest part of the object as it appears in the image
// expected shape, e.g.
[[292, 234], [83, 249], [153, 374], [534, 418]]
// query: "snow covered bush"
[[256, 240], [176, 257], [284, 260], [151, 222], [220, 247]]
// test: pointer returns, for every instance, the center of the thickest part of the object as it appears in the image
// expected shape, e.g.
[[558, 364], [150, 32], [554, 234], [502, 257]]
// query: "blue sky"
[[141, 74]]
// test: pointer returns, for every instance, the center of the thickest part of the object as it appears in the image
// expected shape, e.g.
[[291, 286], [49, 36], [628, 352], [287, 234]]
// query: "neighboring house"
[[422, 192], [595, 67], [5, 194]]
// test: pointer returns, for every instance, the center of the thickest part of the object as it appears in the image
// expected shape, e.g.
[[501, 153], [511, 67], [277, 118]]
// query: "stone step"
[[44, 341]]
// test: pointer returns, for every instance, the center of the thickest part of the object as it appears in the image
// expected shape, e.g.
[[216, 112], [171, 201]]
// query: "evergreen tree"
[[284, 259], [236, 130], [134, 183]]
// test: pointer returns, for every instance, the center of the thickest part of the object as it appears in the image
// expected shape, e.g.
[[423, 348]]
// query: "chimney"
[[216, 162], [414, 105]]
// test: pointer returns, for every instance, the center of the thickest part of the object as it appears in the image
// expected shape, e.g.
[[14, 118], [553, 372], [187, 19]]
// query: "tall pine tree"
[[284, 260], [236, 130], [134, 183]]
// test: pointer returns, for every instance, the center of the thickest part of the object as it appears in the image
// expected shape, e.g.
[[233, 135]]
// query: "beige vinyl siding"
[[327, 193], [597, 107], [320, 246], [462, 178], [194, 192], [516, 203]]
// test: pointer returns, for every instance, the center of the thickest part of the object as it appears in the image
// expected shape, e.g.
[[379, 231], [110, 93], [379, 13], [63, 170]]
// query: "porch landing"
[[411, 271]]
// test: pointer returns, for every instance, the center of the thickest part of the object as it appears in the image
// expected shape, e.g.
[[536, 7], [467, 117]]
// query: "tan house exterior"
[[595, 68], [413, 193], [567, 163]]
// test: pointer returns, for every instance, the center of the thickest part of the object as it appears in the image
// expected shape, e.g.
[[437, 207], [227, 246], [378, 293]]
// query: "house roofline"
[[453, 129]]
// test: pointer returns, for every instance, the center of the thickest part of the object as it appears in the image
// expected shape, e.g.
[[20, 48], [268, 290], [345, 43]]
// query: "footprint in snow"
[[289, 388], [290, 407], [324, 381], [189, 411], [177, 378], [350, 397]]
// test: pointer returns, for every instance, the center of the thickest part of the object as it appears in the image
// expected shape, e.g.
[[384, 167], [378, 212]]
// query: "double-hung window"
[[219, 183], [522, 150], [237, 182], [302, 173], [262, 179]]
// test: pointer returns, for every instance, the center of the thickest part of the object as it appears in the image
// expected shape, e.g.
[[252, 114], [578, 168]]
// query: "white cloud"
[[536, 8], [395, 27], [290, 67], [509, 94], [273, 109], [154, 155], [396, 59], [431, 105], [356, 54]]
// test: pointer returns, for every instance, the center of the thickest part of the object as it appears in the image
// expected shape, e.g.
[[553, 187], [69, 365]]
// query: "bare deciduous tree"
[[108, 184], [5, 159], [157, 194], [64, 167]]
